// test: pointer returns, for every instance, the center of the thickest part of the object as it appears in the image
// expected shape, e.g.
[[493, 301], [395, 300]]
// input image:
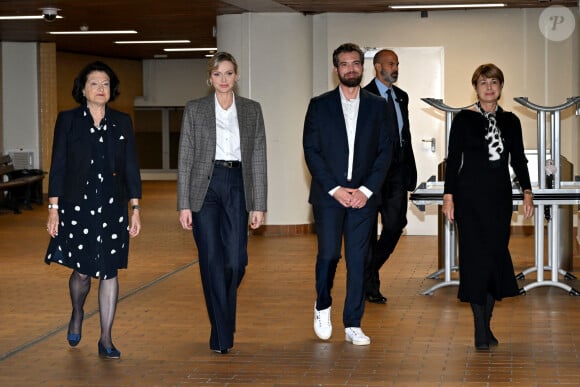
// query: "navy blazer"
[[71, 155], [406, 164], [326, 146]]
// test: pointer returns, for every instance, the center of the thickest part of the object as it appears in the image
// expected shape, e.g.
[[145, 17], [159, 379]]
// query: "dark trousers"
[[393, 210], [332, 223], [220, 233]]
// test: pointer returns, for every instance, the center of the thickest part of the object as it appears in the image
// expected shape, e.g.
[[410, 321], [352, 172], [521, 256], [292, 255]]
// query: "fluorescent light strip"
[[24, 17], [151, 41], [92, 32], [440, 6], [189, 49]]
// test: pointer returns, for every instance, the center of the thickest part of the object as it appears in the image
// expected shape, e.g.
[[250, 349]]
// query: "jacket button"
[[114, 173]]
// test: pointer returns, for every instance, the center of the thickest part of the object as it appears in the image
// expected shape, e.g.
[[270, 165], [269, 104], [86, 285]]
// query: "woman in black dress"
[[94, 173], [483, 140]]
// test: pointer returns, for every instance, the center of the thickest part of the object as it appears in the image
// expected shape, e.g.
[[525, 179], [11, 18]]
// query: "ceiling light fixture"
[[26, 17], [112, 32], [152, 41], [49, 13], [443, 6], [189, 49]]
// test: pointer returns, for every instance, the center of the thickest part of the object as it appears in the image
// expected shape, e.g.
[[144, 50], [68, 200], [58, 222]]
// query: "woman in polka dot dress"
[[94, 174]]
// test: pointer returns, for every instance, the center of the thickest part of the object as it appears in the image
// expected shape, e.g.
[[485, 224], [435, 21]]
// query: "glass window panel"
[[175, 118]]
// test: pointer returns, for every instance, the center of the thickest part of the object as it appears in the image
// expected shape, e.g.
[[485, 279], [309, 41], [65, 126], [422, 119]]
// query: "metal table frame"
[[559, 186]]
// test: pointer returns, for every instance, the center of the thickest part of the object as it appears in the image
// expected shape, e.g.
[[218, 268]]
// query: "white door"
[[421, 76]]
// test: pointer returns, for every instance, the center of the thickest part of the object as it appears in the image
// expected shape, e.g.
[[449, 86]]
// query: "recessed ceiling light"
[[152, 41], [443, 6], [92, 32], [190, 49]]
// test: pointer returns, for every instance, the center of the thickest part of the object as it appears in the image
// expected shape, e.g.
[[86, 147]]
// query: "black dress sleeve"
[[519, 162]]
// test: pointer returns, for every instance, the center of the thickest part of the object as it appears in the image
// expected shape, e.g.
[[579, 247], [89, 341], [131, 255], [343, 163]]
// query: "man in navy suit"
[[402, 175], [348, 150]]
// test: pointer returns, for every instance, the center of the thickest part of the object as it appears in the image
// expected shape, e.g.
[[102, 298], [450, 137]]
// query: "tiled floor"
[[162, 327]]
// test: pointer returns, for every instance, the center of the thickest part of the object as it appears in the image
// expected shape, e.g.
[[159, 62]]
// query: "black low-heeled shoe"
[[108, 353], [74, 338], [376, 298]]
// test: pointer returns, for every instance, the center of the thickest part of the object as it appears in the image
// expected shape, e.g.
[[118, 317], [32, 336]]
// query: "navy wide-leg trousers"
[[220, 230]]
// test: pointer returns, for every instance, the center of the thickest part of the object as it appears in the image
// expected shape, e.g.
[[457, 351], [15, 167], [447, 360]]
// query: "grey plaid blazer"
[[197, 147]]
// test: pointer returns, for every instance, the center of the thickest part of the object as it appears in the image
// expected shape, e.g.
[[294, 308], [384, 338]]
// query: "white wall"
[[172, 82], [20, 119], [275, 70]]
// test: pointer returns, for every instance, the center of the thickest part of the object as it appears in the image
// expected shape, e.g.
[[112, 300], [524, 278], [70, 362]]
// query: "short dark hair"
[[488, 70], [347, 47], [379, 53], [81, 80]]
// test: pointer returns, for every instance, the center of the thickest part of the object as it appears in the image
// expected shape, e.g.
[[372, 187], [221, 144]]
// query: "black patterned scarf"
[[493, 135]]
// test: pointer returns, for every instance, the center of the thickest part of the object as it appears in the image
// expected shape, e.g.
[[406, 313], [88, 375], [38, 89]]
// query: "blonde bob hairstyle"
[[219, 57]]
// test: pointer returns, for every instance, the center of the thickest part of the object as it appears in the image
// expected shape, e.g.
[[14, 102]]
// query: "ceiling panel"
[[166, 19]]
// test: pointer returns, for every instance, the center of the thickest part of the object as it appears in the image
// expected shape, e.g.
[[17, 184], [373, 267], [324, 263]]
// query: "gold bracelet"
[[529, 192]]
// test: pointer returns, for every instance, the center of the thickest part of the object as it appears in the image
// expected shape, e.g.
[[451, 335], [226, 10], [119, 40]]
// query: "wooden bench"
[[19, 186]]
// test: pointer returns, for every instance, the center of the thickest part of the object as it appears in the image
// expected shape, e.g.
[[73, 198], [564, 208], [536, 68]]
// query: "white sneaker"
[[356, 336], [322, 323]]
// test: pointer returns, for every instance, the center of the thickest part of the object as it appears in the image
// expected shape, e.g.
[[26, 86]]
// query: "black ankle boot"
[[488, 312], [481, 340]]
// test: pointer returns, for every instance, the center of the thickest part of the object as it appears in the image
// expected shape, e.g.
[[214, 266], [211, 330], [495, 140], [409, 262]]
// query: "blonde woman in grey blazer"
[[222, 182]]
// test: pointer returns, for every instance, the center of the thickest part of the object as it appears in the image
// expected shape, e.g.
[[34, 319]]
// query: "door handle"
[[432, 141]]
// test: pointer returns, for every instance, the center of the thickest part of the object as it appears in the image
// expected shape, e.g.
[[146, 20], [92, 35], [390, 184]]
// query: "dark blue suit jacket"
[[406, 162], [71, 155], [326, 146]]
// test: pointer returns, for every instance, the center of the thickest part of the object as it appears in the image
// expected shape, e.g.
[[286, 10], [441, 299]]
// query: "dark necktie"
[[392, 122]]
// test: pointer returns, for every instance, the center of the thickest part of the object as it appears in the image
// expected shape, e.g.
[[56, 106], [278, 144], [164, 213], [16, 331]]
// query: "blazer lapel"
[[243, 116], [402, 98], [361, 122], [337, 114], [246, 124], [208, 123], [372, 87]]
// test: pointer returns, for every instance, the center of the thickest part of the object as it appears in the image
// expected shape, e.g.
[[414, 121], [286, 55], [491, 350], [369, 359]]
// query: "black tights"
[[80, 285]]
